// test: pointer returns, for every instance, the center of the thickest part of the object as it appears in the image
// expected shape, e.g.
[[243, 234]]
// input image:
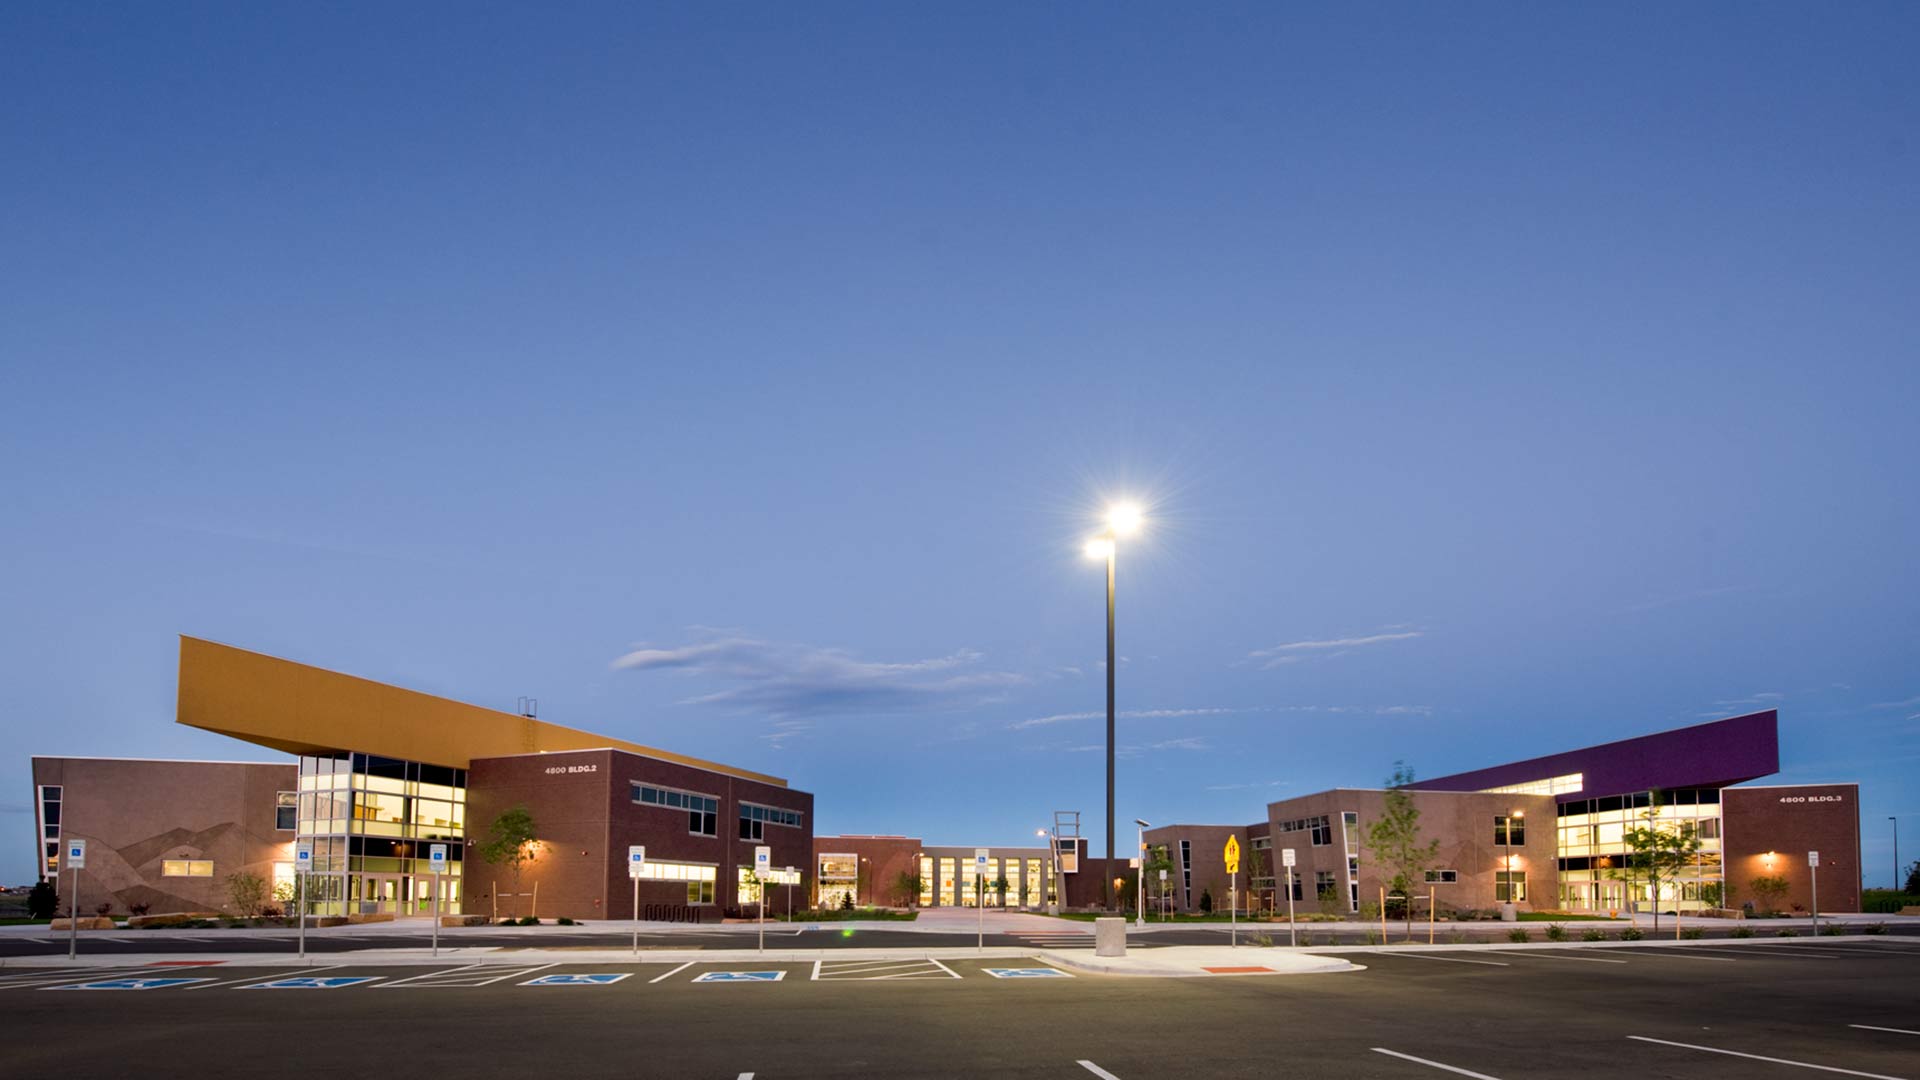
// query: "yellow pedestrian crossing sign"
[[1233, 854]]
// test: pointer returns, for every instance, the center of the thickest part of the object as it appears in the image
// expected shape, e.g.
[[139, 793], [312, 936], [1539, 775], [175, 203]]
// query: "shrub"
[[1631, 933], [846, 901], [103, 909], [1518, 933], [1743, 931], [246, 892], [528, 921], [1593, 935], [509, 921], [1693, 933], [42, 900], [564, 921], [1456, 938], [1788, 931], [1874, 928], [1206, 901], [1264, 941], [140, 908], [1556, 932], [270, 911], [1832, 930]]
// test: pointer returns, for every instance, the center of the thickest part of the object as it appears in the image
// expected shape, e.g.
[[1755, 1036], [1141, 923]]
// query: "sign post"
[[437, 858], [1232, 856], [980, 894], [1813, 871], [76, 862], [636, 864], [1286, 860], [1163, 896], [762, 862], [302, 866]]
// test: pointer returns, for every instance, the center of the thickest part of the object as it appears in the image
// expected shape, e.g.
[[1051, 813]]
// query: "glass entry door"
[[380, 894]]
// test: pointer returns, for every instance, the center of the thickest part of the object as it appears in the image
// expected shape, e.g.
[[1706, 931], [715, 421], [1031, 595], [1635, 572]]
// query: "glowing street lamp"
[[1123, 519]]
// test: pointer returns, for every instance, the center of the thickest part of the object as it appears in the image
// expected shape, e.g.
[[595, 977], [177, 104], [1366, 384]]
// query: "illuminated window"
[[1553, 785], [1509, 830], [186, 868], [286, 810], [749, 891], [839, 866], [1510, 886]]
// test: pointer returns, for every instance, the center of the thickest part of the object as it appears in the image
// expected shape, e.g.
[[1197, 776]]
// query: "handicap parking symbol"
[[312, 982], [741, 976], [1027, 973], [578, 980], [126, 984]]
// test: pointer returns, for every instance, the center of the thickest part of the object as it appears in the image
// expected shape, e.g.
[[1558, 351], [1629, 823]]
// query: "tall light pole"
[[1121, 520], [1140, 879], [1896, 851]]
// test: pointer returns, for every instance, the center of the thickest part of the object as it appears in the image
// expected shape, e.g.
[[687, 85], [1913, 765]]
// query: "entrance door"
[[381, 894]]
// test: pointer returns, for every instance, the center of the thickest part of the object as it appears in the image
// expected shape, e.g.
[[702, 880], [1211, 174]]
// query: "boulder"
[[89, 922], [463, 920], [371, 916], [171, 918]]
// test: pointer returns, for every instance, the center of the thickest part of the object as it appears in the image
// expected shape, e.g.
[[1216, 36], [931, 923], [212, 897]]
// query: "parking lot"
[[1757, 1009]]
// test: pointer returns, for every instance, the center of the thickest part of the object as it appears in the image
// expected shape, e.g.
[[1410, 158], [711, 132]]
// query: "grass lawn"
[[1542, 916], [24, 922]]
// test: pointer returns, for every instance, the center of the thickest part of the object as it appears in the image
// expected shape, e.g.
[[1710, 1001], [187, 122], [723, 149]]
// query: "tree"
[[1159, 859], [1769, 890], [1206, 901], [1256, 869], [1001, 885], [1913, 878], [1660, 850], [42, 900], [510, 839], [1394, 841], [246, 892], [907, 886]]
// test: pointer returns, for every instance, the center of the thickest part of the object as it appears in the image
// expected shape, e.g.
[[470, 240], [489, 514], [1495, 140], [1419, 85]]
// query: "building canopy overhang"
[[299, 709]]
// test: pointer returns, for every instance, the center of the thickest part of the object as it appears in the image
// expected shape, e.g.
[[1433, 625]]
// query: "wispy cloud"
[[1192, 742], [1904, 703], [1294, 652], [1245, 786], [786, 680], [1124, 714]]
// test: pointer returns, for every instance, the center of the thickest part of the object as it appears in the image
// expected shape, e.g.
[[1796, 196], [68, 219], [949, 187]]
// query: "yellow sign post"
[[1233, 890]]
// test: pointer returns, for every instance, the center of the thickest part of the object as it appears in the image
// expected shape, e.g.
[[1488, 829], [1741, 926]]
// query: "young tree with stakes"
[[1662, 851], [510, 839], [1394, 840]]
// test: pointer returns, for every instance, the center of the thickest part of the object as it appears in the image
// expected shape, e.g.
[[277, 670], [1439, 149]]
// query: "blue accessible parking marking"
[[578, 980], [126, 984], [742, 976], [1027, 973], [311, 982]]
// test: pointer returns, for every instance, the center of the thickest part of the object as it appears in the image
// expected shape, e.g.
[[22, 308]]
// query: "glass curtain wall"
[[1598, 872], [371, 821]]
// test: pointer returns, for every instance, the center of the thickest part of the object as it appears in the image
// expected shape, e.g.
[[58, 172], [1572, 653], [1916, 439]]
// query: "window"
[[1553, 785], [1324, 887], [186, 868], [1509, 830], [703, 811], [50, 826], [748, 890], [1263, 843], [1442, 877], [840, 866], [286, 810], [754, 819], [699, 892], [1186, 870], [1510, 886], [1320, 827]]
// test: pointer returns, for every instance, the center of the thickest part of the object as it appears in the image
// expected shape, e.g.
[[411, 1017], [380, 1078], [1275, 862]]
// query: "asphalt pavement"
[[1700, 1010]]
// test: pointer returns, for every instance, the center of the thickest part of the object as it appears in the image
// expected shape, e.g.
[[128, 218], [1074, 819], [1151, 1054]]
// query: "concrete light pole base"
[[1110, 937]]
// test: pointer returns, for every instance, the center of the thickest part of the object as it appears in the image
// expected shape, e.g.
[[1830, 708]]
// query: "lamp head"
[[1124, 518], [1142, 824], [1100, 547]]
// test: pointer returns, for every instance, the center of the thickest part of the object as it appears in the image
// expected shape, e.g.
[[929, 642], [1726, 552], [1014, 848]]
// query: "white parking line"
[[1797, 950], [428, 975], [945, 968], [681, 968], [1433, 1064], [1676, 954], [1096, 1070], [1557, 956], [1448, 959], [257, 977], [1896, 1031], [1761, 1057]]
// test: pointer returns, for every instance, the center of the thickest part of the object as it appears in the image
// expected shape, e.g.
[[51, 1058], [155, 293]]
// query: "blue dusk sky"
[[745, 380]]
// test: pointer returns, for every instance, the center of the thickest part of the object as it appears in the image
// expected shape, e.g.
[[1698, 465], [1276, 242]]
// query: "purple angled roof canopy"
[[1707, 755]]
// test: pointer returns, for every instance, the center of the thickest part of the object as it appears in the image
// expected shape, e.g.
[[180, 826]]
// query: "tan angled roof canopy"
[[308, 710]]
